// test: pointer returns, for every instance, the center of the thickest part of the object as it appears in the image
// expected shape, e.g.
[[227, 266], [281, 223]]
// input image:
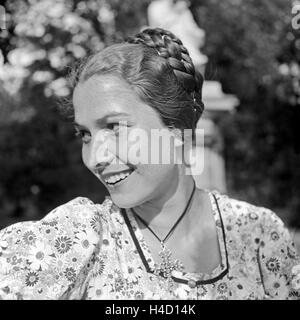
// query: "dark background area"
[[252, 49]]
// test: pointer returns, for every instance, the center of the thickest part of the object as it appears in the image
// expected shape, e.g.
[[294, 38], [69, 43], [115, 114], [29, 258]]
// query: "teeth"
[[117, 177], [122, 175]]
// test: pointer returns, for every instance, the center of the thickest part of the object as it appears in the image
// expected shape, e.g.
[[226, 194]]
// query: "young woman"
[[157, 236]]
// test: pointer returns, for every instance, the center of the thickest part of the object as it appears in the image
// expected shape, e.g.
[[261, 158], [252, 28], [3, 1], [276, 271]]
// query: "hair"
[[158, 67]]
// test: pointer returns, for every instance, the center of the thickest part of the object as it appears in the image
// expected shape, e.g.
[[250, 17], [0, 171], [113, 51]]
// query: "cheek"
[[119, 149], [140, 147], [133, 148], [155, 174], [84, 157]]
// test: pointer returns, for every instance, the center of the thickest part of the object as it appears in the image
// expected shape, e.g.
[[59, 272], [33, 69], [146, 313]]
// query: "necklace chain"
[[167, 265], [162, 241]]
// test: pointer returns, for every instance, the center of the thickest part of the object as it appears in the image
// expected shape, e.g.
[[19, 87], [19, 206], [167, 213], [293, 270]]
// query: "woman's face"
[[100, 104]]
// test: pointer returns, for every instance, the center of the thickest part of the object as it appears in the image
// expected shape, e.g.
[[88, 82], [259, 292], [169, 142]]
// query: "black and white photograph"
[[149, 150]]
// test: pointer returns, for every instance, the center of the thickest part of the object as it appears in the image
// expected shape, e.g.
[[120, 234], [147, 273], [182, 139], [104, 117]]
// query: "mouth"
[[116, 179]]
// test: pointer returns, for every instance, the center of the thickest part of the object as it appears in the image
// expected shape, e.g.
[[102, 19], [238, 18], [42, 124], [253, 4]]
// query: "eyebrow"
[[102, 120]]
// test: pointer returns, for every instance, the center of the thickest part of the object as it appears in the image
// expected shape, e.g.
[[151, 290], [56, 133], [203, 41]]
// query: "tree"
[[254, 53]]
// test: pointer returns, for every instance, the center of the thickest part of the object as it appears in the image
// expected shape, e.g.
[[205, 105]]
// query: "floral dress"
[[82, 250]]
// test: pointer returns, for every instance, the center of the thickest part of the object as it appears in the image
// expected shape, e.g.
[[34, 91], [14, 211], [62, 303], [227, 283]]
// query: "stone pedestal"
[[216, 104]]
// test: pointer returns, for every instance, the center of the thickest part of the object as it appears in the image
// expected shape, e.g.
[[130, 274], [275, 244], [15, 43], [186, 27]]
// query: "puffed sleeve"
[[50, 258], [277, 258]]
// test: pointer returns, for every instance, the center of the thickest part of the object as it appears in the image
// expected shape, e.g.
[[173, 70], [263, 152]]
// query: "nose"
[[100, 155]]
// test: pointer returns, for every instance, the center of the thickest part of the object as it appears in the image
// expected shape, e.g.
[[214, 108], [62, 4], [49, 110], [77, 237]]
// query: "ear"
[[178, 142], [177, 137], [188, 136]]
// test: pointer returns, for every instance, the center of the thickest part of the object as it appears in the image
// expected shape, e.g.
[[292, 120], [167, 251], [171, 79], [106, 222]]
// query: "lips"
[[116, 178]]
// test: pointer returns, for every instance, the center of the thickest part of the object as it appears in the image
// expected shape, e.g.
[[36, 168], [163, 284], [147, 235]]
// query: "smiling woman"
[[157, 236], [110, 100]]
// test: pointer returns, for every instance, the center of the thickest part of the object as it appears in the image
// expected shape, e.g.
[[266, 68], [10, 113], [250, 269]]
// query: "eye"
[[83, 135], [113, 126]]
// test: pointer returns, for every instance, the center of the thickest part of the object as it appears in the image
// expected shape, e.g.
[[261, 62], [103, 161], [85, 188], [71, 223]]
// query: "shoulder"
[[59, 246], [262, 237], [76, 214], [249, 218], [69, 221]]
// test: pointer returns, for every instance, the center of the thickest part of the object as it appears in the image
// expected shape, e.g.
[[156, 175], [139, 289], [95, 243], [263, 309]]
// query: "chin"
[[131, 197], [124, 201], [130, 192]]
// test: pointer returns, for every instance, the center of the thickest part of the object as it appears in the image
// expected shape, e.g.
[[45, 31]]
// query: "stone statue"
[[176, 17]]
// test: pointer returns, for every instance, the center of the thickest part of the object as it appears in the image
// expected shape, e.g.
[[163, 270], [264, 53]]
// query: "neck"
[[164, 209]]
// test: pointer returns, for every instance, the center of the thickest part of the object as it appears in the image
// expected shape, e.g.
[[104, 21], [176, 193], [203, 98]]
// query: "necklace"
[[167, 265]]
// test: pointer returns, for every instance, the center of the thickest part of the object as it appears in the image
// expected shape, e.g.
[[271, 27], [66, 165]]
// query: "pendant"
[[168, 265]]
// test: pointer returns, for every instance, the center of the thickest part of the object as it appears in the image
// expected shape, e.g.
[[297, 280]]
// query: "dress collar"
[[183, 277]]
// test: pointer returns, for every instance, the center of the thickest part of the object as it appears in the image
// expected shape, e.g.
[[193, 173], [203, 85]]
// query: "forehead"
[[100, 96], [99, 93]]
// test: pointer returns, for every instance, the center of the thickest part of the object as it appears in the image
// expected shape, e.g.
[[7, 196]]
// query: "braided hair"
[[158, 67], [170, 47]]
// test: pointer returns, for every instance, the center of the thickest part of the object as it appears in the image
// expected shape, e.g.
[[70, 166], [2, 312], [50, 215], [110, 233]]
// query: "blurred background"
[[247, 50]]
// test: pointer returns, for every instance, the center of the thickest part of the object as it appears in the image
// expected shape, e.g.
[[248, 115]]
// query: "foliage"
[[254, 52]]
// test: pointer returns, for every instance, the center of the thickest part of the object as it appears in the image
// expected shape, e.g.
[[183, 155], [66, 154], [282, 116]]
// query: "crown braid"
[[168, 46]]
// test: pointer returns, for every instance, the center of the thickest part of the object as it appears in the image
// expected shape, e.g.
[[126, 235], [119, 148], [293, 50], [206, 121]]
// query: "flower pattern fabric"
[[82, 250]]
